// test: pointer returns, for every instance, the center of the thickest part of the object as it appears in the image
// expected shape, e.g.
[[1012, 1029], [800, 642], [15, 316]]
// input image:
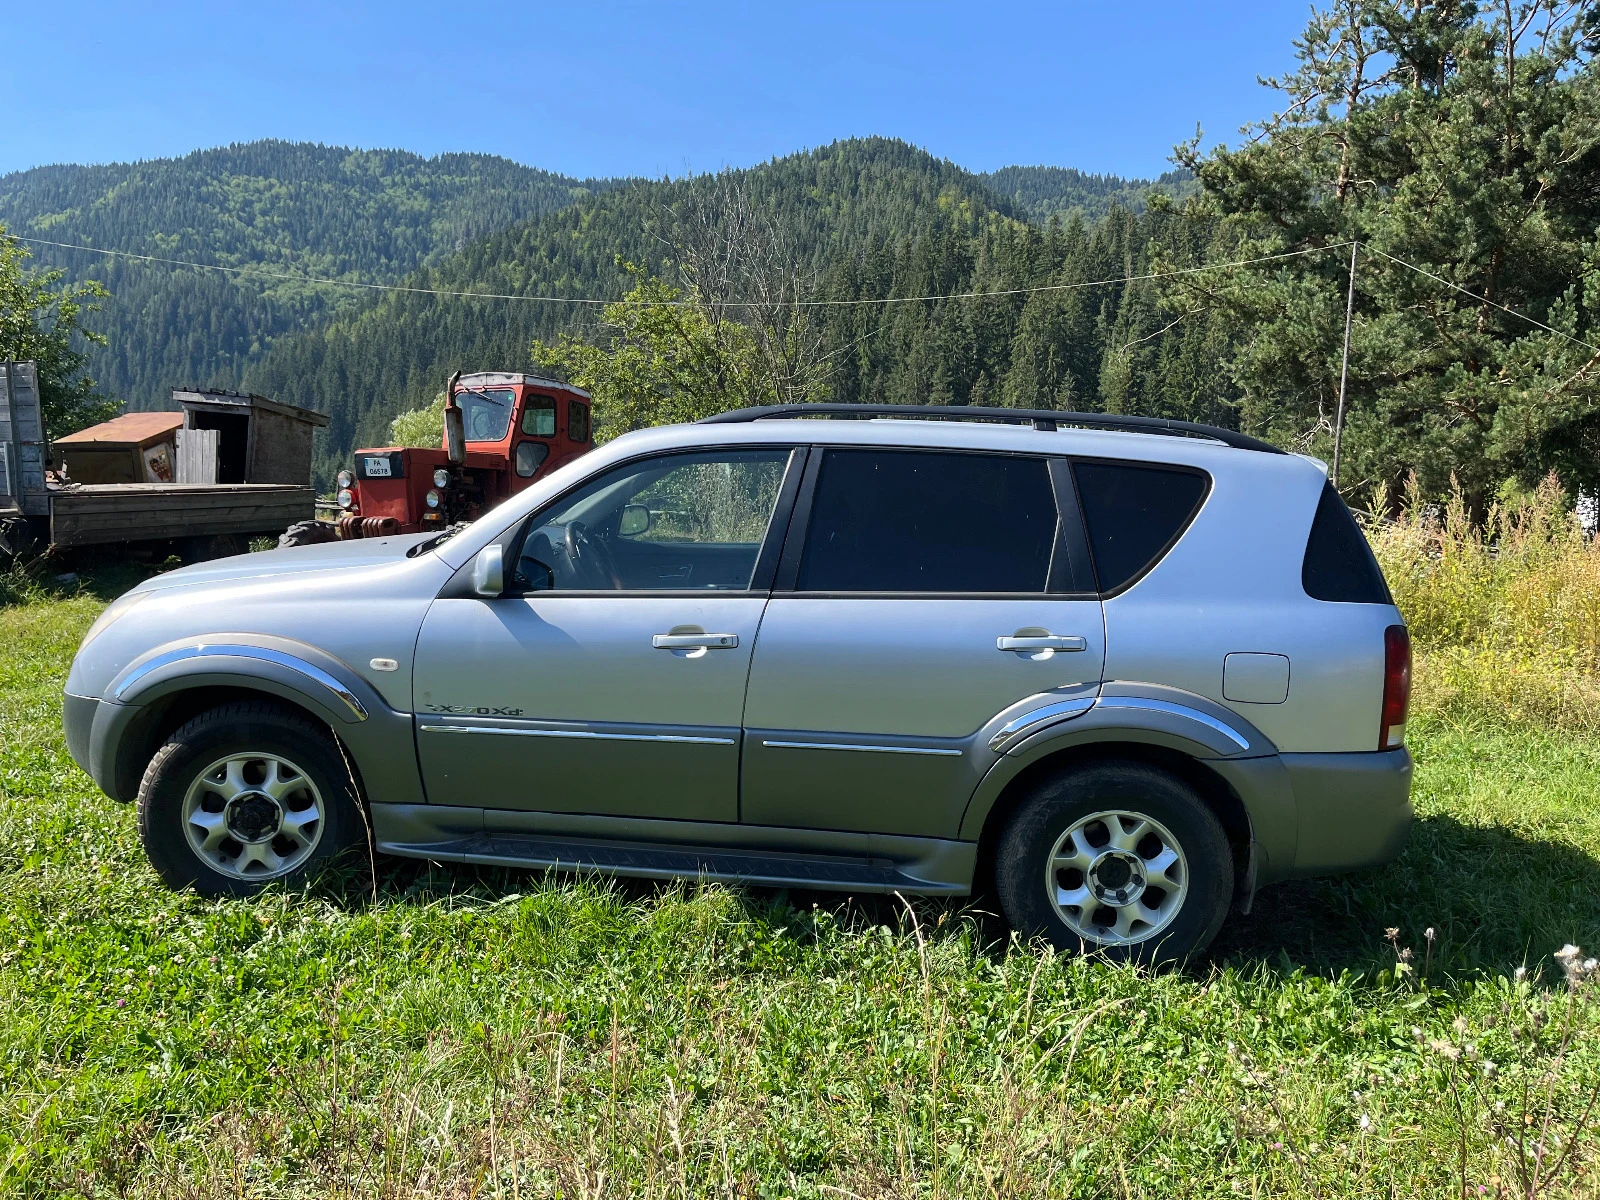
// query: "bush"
[[1505, 614], [422, 427]]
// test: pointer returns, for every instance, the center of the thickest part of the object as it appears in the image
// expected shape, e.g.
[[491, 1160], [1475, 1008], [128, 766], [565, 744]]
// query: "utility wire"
[[1482, 299], [388, 287], [1028, 291]]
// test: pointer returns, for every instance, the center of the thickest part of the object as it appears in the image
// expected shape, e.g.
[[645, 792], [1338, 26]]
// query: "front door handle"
[[1023, 644], [695, 641]]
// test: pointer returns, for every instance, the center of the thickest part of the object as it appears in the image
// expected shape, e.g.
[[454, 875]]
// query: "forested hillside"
[[295, 208], [1044, 192], [861, 219]]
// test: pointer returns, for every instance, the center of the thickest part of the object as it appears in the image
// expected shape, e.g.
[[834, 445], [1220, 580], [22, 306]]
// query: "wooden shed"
[[133, 448], [258, 440]]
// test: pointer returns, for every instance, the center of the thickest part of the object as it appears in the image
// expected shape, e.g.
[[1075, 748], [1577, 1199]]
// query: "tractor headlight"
[[441, 478], [345, 497], [432, 500], [346, 479]]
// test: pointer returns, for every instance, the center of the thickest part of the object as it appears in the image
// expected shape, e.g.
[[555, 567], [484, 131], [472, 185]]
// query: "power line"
[[887, 300], [1483, 299], [447, 294]]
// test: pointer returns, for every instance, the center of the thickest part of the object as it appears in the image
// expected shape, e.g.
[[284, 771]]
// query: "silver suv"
[[1122, 671]]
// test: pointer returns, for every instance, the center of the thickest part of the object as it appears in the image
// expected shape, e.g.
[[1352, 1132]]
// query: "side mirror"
[[489, 572], [634, 520]]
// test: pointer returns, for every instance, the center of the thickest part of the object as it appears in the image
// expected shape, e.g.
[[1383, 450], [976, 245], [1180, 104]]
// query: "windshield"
[[486, 413]]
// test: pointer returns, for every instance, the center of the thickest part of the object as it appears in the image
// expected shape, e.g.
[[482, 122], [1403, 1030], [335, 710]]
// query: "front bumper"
[[1353, 810], [77, 722]]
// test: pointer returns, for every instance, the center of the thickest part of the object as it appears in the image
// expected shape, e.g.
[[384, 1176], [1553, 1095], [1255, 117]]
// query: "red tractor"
[[501, 432]]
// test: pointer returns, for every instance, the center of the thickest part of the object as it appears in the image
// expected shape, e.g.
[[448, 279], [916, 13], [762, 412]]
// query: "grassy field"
[[464, 1032]]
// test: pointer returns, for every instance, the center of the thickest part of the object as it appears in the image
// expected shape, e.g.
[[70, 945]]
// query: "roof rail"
[[1039, 418]]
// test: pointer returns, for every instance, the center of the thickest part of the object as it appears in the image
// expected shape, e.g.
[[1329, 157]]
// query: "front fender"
[[378, 738]]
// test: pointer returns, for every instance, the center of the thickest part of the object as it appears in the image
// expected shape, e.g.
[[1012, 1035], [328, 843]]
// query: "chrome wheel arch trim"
[[1010, 738], [125, 688], [1018, 728], [1146, 704]]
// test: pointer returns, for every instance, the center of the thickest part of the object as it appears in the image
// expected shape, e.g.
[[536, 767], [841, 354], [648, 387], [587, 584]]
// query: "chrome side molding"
[[580, 734], [936, 750], [259, 653], [1018, 728]]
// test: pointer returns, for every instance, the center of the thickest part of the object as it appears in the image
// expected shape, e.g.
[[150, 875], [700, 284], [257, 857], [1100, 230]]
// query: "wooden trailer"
[[201, 482]]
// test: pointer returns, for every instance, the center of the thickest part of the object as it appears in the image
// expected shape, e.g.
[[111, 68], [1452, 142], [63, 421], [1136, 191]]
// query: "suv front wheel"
[[1117, 857], [243, 795]]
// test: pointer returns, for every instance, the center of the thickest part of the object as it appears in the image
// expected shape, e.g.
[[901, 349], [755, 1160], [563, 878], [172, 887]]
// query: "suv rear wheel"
[[244, 795], [1117, 857]]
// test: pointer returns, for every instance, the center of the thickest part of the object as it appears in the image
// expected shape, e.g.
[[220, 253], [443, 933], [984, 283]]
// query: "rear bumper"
[[1353, 810]]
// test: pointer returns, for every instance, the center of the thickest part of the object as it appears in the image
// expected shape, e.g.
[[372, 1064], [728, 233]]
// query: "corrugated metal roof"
[[130, 429]]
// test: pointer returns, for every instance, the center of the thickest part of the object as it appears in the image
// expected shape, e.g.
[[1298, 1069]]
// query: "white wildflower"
[[1572, 965]]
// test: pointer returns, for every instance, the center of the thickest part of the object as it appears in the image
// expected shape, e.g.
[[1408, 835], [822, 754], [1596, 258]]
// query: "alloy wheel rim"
[[253, 816], [1117, 878]]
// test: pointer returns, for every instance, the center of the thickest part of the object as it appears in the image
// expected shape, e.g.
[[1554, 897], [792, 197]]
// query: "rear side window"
[[1339, 565], [1134, 514], [910, 521]]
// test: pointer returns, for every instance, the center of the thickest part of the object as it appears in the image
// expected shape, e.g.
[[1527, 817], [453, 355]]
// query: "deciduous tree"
[[42, 322]]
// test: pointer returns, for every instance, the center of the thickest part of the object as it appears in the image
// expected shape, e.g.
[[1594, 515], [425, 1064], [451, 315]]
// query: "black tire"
[[1025, 845], [244, 729], [307, 533]]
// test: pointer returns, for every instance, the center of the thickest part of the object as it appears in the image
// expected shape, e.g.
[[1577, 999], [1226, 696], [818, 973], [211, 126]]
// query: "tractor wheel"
[[307, 533], [205, 547]]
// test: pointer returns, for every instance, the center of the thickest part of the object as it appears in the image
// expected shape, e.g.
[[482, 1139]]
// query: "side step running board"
[[684, 862]]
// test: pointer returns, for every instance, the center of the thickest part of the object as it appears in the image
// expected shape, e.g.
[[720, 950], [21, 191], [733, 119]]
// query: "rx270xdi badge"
[[464, 710]]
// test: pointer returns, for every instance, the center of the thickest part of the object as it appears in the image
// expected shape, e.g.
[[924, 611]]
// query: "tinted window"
[[539, 417], [1339, 565], [1134, 513], [907, 521], [578, 421]]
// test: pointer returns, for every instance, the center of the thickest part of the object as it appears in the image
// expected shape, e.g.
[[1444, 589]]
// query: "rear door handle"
[[695, 641], [1048, 641]]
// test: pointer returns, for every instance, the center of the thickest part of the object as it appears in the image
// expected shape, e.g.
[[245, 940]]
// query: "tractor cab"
[[501, 432]]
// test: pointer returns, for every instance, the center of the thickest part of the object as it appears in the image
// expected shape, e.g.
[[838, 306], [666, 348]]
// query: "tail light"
[[1396, 687]]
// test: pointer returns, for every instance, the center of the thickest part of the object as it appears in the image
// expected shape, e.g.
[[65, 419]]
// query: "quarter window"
[[1134, 514], [917, 521], [1339, 565]]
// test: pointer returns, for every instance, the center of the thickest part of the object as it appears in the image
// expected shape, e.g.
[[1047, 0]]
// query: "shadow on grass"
[[1496, 900]]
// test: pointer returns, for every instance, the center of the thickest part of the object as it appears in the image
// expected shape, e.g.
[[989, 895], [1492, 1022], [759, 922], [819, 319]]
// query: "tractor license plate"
[[377, 468]]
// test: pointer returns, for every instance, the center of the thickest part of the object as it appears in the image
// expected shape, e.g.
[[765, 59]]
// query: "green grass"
[[461, 1032]]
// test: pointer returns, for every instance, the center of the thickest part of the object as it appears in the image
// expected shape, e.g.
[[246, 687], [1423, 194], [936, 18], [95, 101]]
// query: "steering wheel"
[[591, 557]]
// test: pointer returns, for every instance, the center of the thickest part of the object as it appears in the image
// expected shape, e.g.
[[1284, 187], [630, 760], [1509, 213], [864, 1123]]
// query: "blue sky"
[[641, 89]]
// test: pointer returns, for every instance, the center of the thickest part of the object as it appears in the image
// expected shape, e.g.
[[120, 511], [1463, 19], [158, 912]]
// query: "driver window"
[[691, 522]]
